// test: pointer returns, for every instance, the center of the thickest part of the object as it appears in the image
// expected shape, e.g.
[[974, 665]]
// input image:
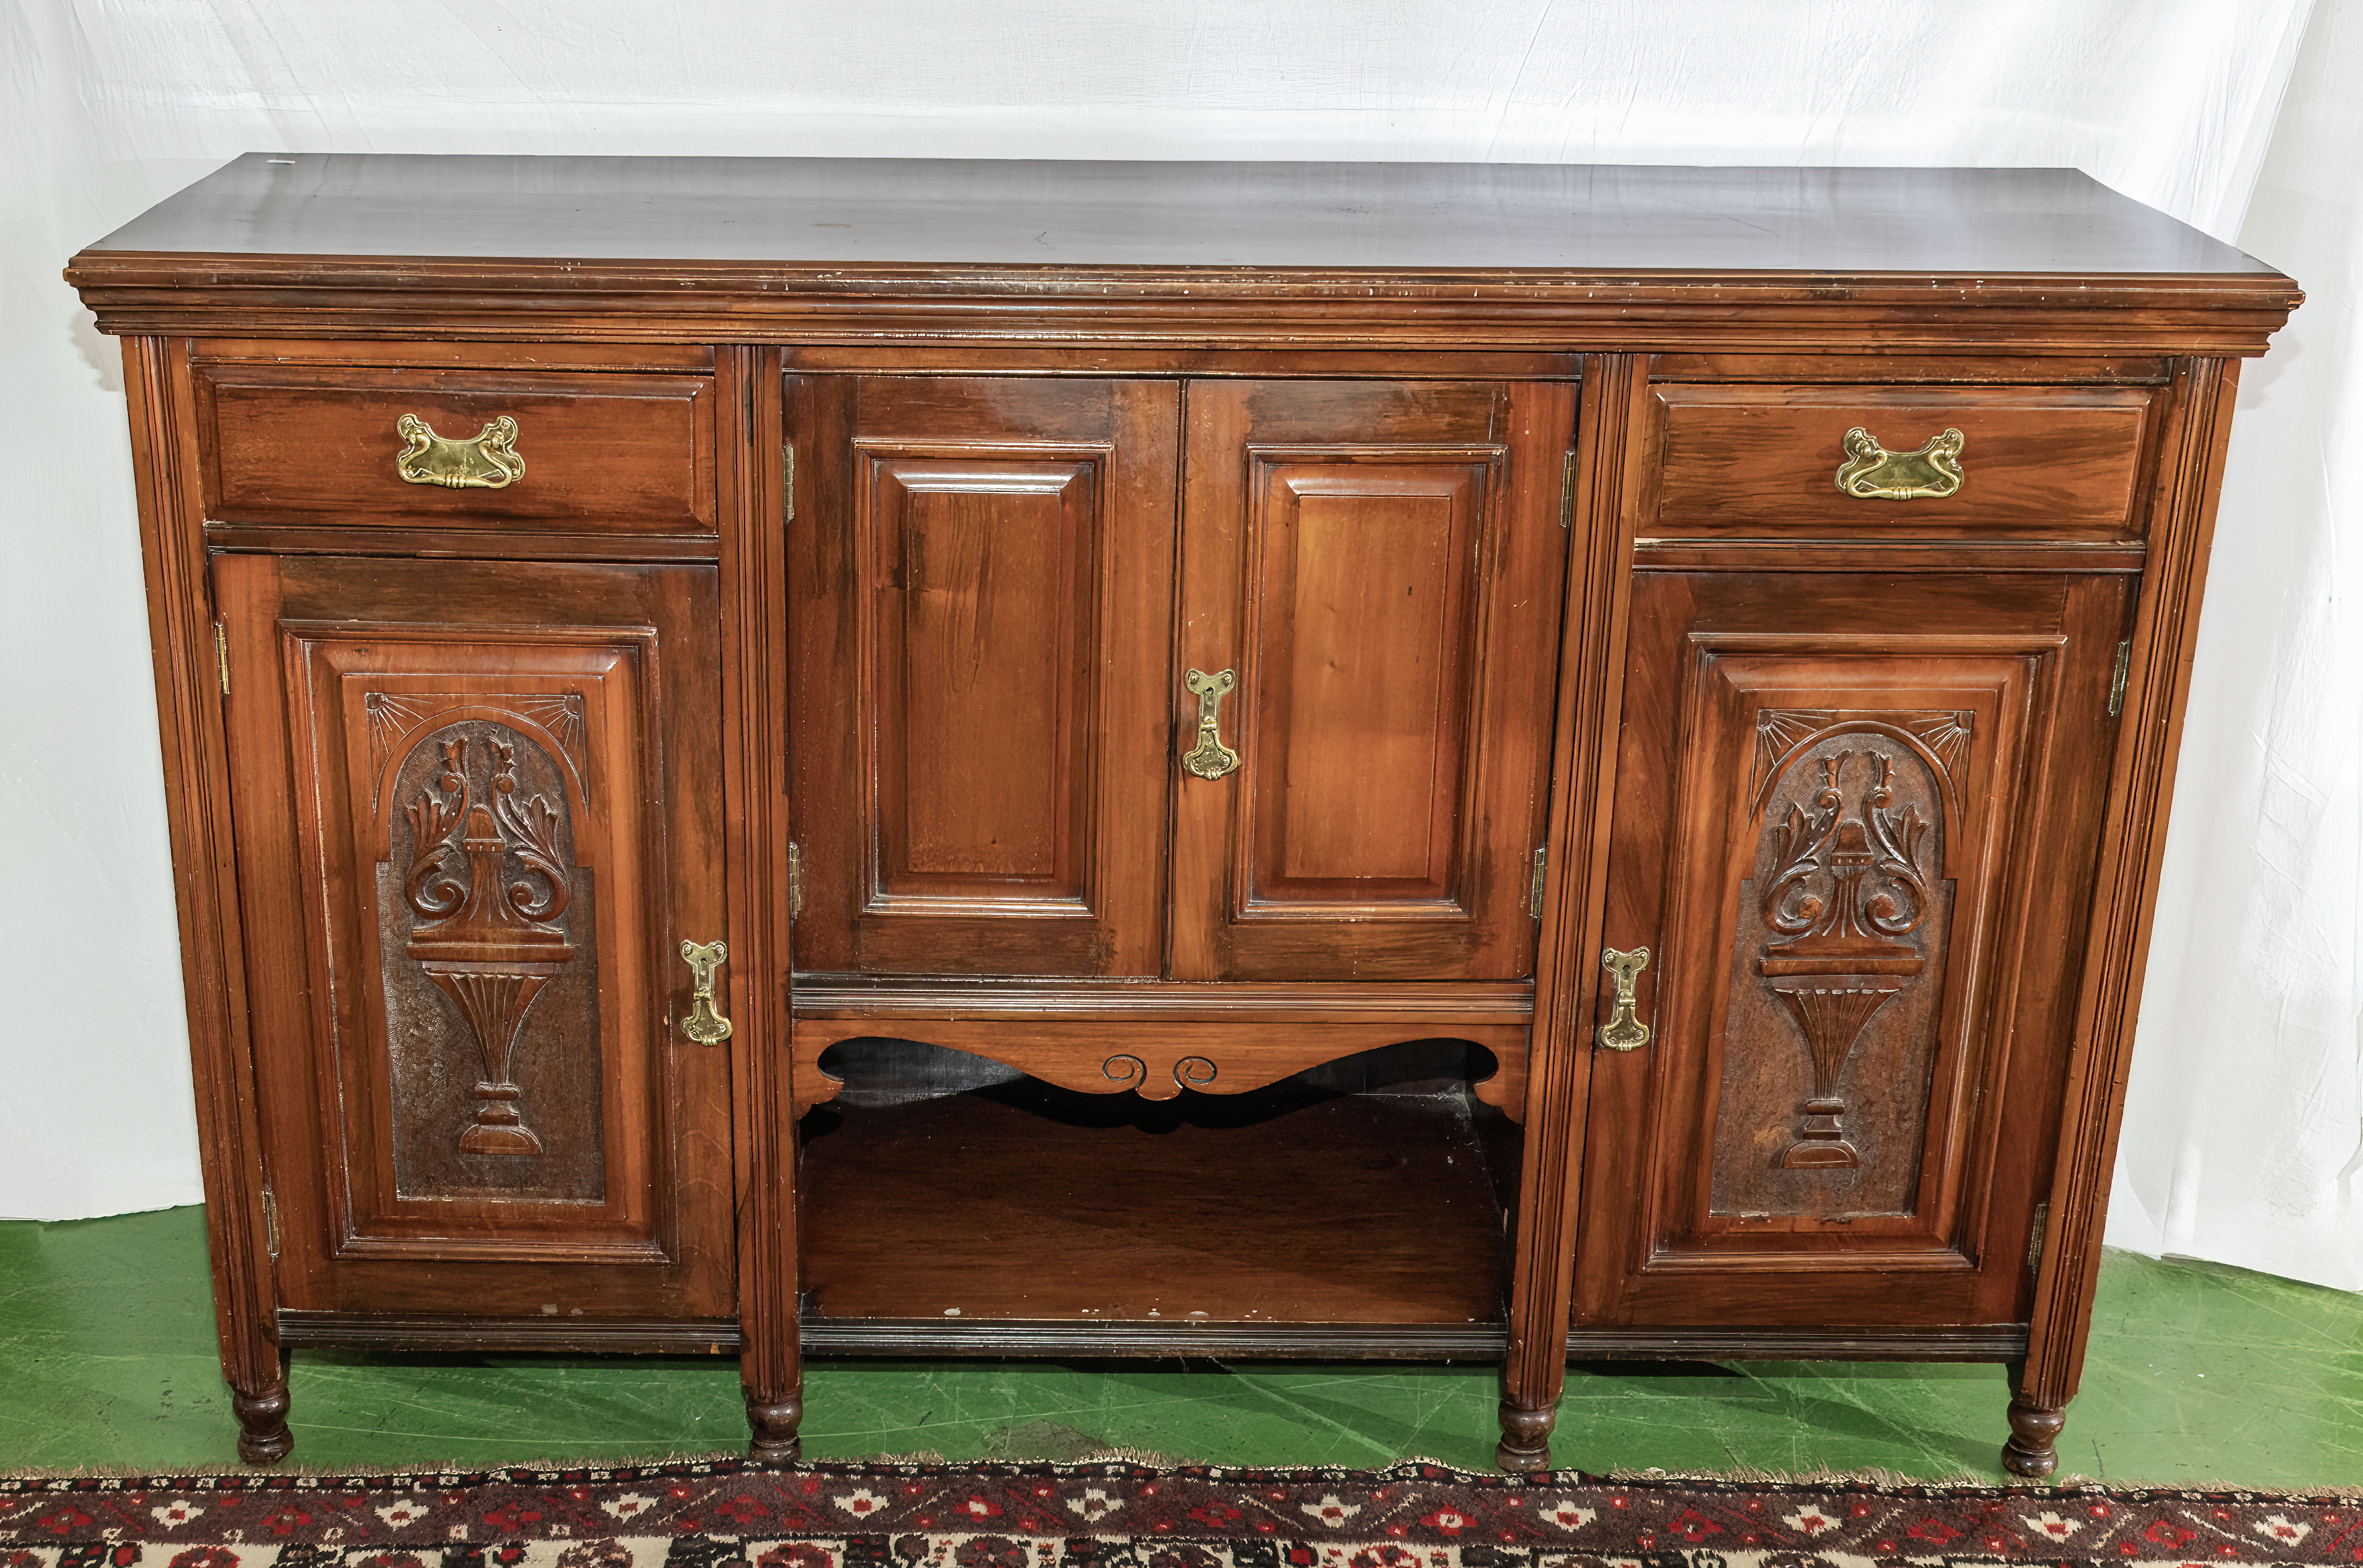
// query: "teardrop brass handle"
[[486, 460], [1624, 1032], [1209, 758], [704, 1025], [1872, 472]]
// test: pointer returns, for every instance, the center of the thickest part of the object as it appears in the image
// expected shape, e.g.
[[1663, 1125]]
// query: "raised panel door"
[[979, 577], [478, 806], [1371, 577], [1855, 828]]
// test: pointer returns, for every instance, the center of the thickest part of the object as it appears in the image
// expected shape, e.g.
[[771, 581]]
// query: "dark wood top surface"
[[1450, 218]]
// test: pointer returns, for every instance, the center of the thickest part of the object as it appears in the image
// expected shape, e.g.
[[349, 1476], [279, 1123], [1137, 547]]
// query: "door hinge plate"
[[271, 1221], [795, 881], [2117, 678], [2035, 1238], [788, 482], [221, 655], [1567, 493], [1535, 889]]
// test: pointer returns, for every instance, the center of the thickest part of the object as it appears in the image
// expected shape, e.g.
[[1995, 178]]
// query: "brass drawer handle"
[[486, 460], [1624, 1032], [1872, 472], [1209, 758], [704, 1025]]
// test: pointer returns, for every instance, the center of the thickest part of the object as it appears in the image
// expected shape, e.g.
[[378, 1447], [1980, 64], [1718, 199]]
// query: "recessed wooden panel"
[[1762, 461], [1840, 830], [495, 786], [316, 444], [981, 571], [1362, 643], [1380, 565], [982, 601]]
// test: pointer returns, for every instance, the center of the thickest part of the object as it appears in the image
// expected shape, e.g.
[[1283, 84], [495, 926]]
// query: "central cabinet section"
[[1170, 740]]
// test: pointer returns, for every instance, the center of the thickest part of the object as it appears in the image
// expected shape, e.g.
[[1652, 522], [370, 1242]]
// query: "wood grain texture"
[[1609, 431], [2139, 787], [213, 969], [1693, 1212], [1024, 1203], [980, 574], [1206, 254], [604, 1184], [1760, 461], [317, 443], [874, 511], [755, 796], [1158, 1060], [1358, 554]]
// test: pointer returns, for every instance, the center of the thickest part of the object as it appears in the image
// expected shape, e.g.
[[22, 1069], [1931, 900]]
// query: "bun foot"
[[263, 1434], [2033, 1450], [1525, 1437], [772, 1428]]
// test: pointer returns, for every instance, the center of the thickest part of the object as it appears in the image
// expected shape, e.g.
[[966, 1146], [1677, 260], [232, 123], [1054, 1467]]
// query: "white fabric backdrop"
[[2244, 1136]]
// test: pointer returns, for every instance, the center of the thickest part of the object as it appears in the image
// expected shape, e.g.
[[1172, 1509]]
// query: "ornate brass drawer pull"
[[1209, 758], [1873, 473], [704, 1025], [486, 460], [1624, 1032]]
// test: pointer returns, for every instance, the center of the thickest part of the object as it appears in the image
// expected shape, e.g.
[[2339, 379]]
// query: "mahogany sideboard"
[[1363, 761]]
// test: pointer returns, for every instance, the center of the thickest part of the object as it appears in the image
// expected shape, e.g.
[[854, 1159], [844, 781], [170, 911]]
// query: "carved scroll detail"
[[1848, 886], [487, 884], [395, 716]]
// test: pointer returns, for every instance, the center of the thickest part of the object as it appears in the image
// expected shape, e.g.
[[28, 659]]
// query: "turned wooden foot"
[[263, 1434], [771, 1426], [1525, 1437], [2033, 1450]]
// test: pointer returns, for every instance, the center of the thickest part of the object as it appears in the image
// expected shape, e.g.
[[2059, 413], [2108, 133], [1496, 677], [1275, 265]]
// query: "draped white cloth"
[[2242, 1141]]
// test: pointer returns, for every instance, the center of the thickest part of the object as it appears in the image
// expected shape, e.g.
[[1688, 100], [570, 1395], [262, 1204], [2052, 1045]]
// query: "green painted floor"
[[2197, 1372]]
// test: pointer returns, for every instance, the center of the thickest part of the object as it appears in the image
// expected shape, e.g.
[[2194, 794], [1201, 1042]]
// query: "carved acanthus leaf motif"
[[487, 938], [1848, 887]]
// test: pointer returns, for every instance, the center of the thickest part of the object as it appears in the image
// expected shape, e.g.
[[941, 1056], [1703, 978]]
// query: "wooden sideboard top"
[[999, 213], [1433, 255]]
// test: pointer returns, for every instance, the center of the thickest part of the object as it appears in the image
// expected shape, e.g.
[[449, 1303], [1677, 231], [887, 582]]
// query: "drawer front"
[[1764, 461], [579, 453]]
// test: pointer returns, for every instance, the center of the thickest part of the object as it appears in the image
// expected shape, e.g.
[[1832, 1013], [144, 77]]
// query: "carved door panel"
[[1370, 589], [980, 587], [479, 814], [1855, 827]]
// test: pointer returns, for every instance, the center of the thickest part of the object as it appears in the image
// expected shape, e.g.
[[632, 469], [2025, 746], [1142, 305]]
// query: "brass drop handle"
[[486, 460], [1209, 758], [1872, 472], [704, 1025], [1623, 1031]]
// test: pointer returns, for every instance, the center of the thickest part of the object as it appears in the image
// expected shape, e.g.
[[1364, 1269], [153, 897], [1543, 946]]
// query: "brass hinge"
[[795, 881], [788, 482], [1534, 892], [2035, 1241], [1567, 493], [271, 1221], [221, 655], [2117, 681]]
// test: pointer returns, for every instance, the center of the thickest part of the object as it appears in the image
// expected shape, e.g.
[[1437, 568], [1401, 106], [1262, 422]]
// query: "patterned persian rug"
[[725, 1513]]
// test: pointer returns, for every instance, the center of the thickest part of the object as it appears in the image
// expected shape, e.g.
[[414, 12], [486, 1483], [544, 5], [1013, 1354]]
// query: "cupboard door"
[[1855, 826], [1376, 570], [478, 810], [980, 598]]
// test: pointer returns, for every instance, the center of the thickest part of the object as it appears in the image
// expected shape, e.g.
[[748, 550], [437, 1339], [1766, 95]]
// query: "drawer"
[[1763, 461], [582, 453]]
